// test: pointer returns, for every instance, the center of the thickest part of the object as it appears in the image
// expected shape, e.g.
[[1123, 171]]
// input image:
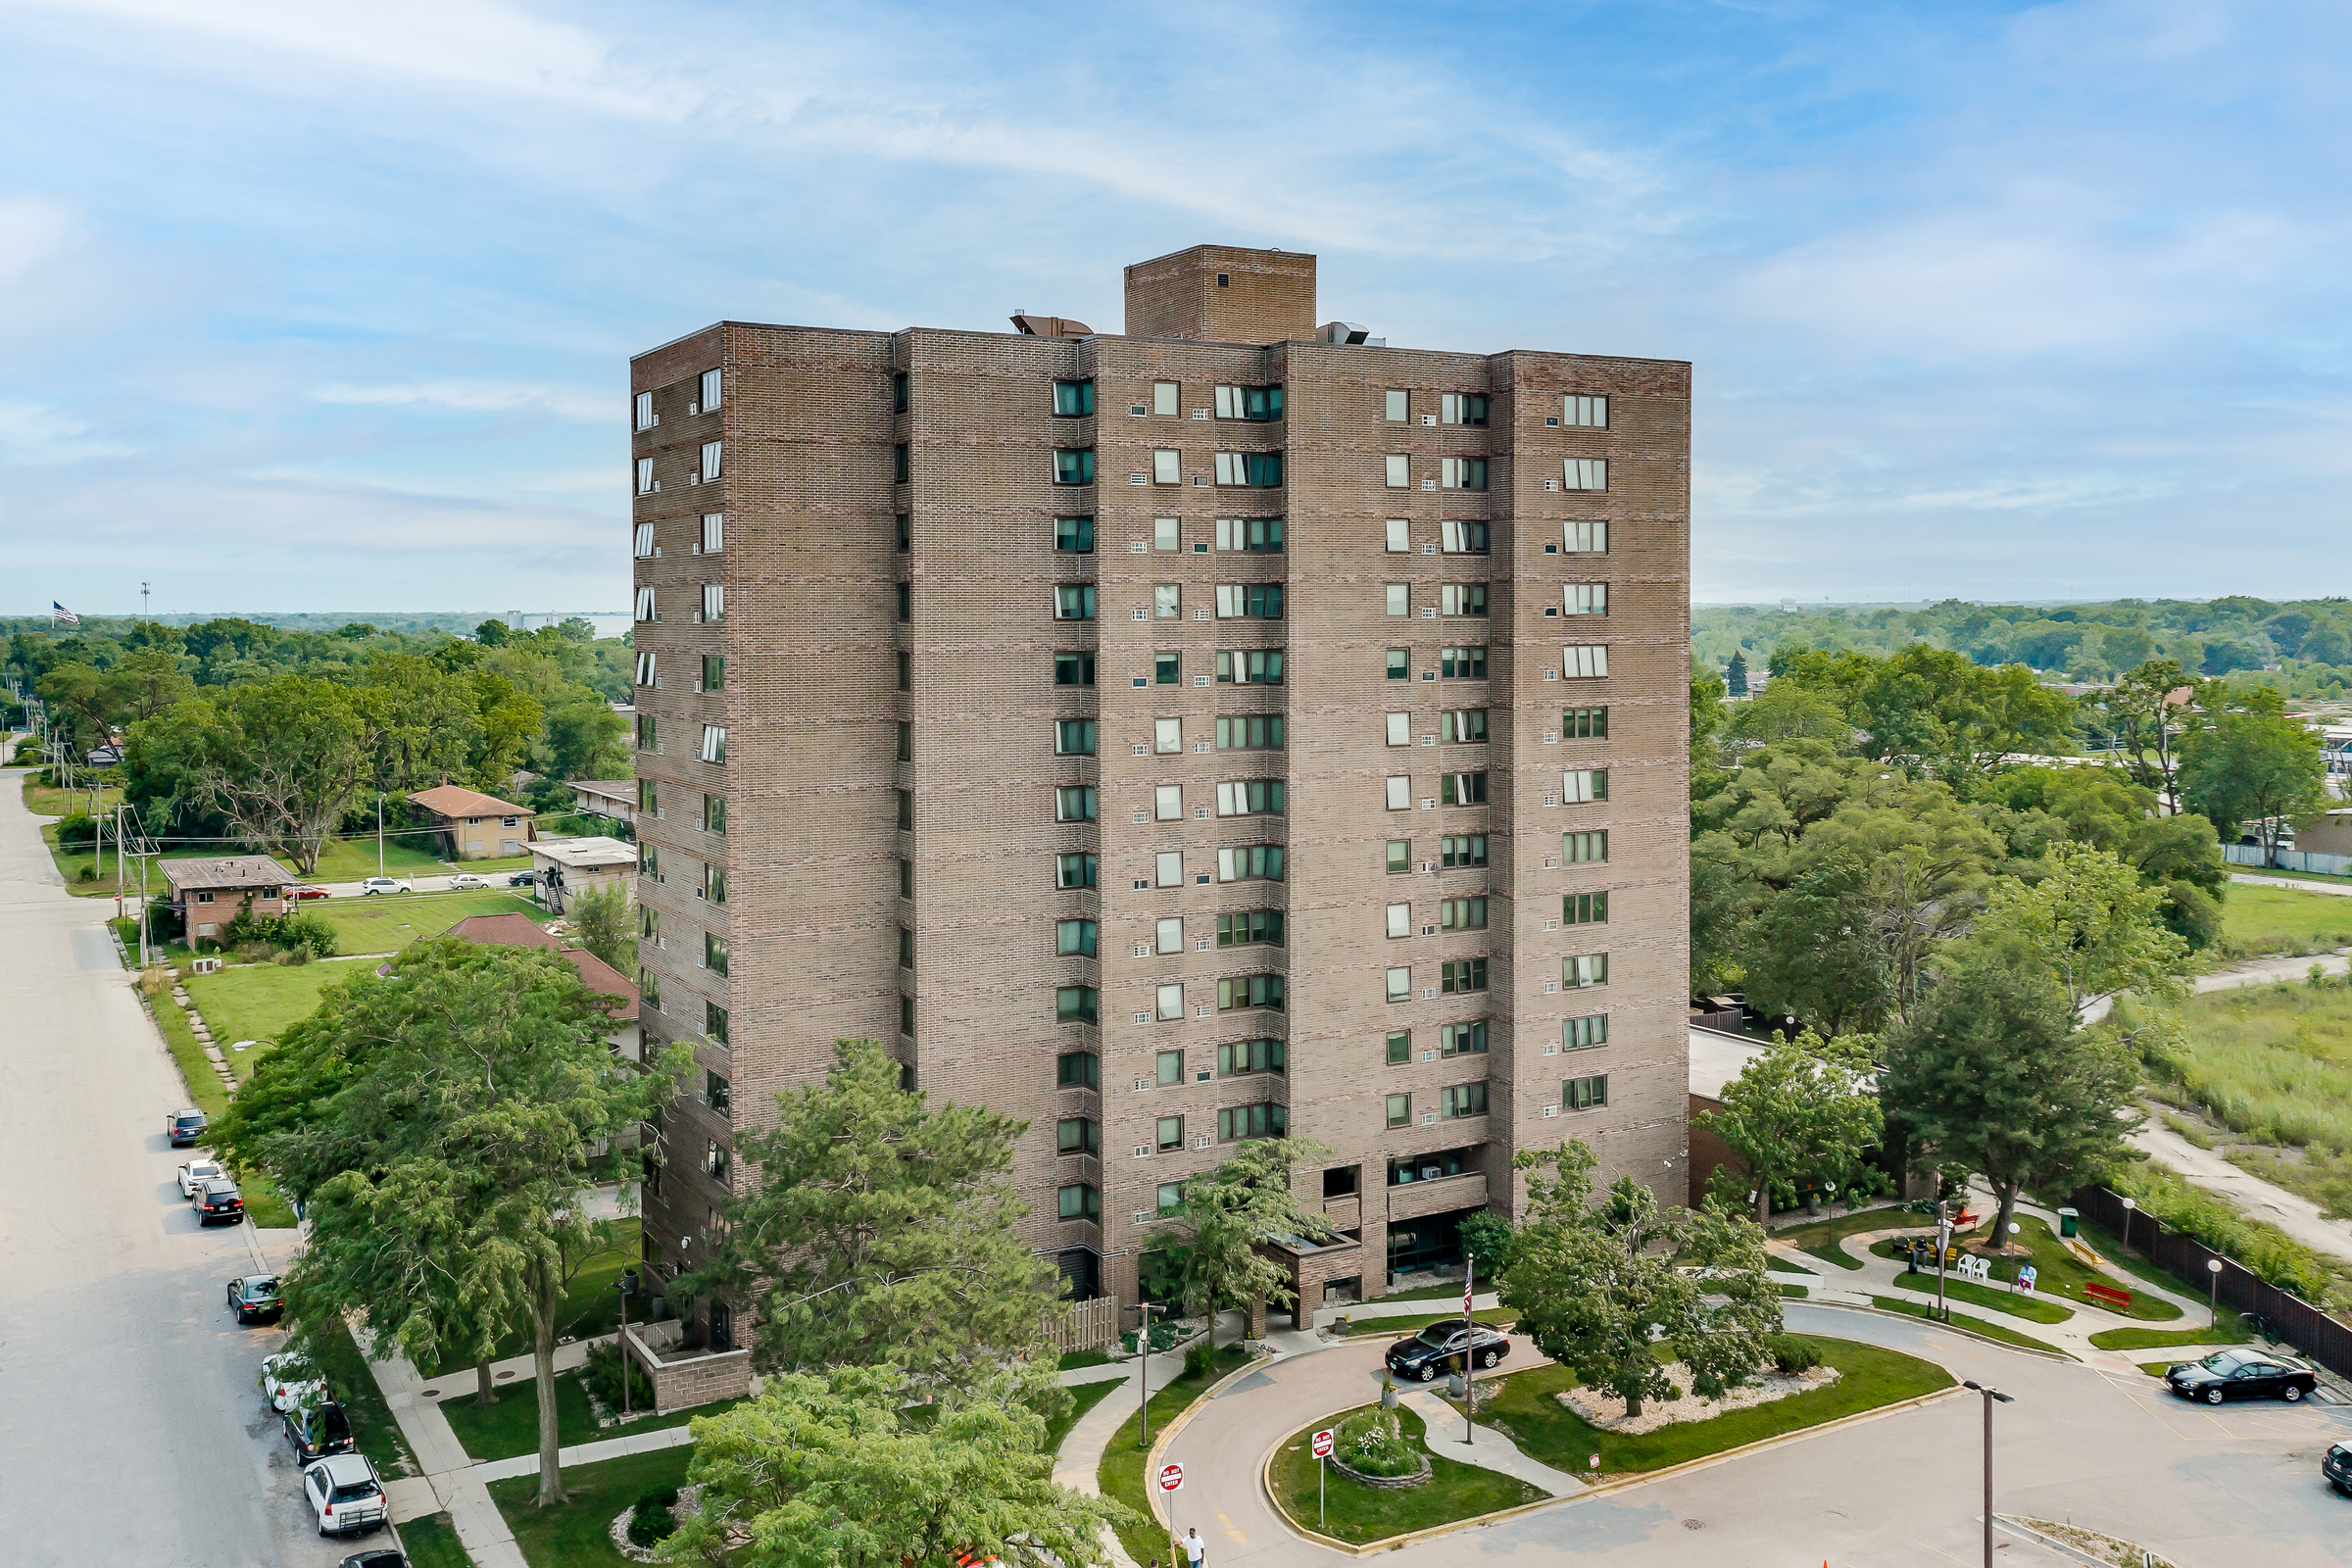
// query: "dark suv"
[[183, 1127], [219, 1199], [318, 1430]]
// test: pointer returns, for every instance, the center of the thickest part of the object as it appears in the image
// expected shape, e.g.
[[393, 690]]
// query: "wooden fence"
[[2295, 1321], [1084, 1325]]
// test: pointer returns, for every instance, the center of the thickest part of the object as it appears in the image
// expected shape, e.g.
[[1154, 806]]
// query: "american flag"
[[58, 612]]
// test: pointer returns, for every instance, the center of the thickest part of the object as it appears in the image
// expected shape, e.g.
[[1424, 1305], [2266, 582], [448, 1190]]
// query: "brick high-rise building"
[[1171, 739]]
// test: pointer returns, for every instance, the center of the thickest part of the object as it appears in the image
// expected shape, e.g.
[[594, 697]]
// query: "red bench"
[[2108, 1296]]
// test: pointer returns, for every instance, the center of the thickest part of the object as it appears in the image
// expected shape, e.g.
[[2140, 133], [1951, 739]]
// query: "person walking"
[[1195, 1549]]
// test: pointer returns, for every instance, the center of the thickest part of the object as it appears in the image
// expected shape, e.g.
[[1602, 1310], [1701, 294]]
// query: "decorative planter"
[[1382, 1483]]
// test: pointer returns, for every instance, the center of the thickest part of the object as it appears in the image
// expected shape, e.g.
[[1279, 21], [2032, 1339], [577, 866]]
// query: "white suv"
[[385, 884], [343, 1492]]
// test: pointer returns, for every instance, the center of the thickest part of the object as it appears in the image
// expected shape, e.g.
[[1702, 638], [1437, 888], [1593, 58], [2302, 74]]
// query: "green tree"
[[1937, 711], [584, 739], [2253, 763], [1808, 1106], [836, 1471], [602, 915], [1786, 710], [2143, 714], [1602, 1287], [880, 1228], [493, 634], [1227, 1219], [2091, 924], [1735, 677]]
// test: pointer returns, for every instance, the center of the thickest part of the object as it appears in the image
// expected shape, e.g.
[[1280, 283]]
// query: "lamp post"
[[626, 1285], [2129, 1205], [1990, 1394], [2213, 1291]]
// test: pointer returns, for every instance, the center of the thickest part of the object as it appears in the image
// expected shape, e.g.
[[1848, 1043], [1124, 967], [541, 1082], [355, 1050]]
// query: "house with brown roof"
[[210, 893], [475, 827], [519, 930]]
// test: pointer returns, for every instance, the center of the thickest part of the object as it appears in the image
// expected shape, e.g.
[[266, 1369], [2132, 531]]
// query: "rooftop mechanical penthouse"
[[1233, 728]]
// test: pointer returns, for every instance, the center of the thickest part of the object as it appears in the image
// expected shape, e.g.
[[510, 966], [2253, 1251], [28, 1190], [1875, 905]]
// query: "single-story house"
[[565, 867], [107, 756], [519, 930], [2329, 833], [606, 797], [208, 894], [477, 826]]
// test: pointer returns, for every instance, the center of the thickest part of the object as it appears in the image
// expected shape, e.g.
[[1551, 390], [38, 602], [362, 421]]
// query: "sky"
[[313, 305]]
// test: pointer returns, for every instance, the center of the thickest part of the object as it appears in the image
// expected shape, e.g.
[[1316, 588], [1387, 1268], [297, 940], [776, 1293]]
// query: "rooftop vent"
[[1349, 332], [1048, 326]]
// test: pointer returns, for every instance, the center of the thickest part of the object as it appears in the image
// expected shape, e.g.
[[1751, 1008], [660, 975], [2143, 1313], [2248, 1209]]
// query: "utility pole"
[[1990, 1394], [379, 829], [118, 859], [143, 601]]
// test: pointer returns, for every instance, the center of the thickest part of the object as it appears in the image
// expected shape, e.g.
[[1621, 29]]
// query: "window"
[[708, 391], [1168, 1002], [1586, 597], [1074, 737], [1462, 407], [1075, 803], [905, 528], [906, 879], [898, 392], [905, 948], [1401, 1046], [1457, 976], [1401, 664], [1167, 936], [1462, 473], [714, 743], [1400, 793], [1462, 1038], [1463, 599], [1585, 723], [1167, 398], [1462, 789], [1588, 538], [1079, 1201], [1462, 663], [1074, 670], [1167, 669], [1586, 474], [1462, 1100], [1164, 533], [1401, 1111], [1580, 785], [902, 464], [1400, 921], [1171, 1197], [1072, 466], [1257, 535], [1168, 601], [1463, 850], [1261, 468], [1585, 969], [1075, 601], [717, 1093], [204, 898], [1238, 1057], [712, 454], [1400, 597], [1582, 1034], [649, 797], [1075, 535], [1072, 399], [1462, 914], [1401, 729], [1401, 984], [1252, 666], [1394, 406], [1252, 1122], [1584, 908], [1248, 403], [1253, 732], [907, 809], [1077, 1135], [1464, 538], [1074, 1005], [1250, 990], [645, 410], [1168, 1131], [1255, 601], [1585, 410], [715, 953], [1401, 856], [1167, 868], [649, 988], [1584, 660], [714, 532], [1257, 862], [906, 672], [715, 1021], [645, 605], [1464, 726], [647, 733], [1168, 1069], [714, 813], [1077, 1069], [645, 541], [1167, 803], [1398, 471], [1167, 736], [1256, 796], [906, 602], [1584, 1094], [719, 1161], [714, 672], [1074, 937], [644, 476], [1580, 847], [1074, 870], [1250, 926], [1167, 467]]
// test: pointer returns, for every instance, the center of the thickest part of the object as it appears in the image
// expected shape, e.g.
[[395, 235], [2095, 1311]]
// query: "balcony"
[[1413, 1200]]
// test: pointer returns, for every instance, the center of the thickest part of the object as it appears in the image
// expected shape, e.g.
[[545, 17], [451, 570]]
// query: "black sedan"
[[255, 1296], [1446, 1348], [382, 1557], [522, 879], [183, 1127], [219, 1199], [2241, 1375]]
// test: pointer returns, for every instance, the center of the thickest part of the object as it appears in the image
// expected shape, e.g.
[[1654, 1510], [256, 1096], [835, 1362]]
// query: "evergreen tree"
[[1734, 675]]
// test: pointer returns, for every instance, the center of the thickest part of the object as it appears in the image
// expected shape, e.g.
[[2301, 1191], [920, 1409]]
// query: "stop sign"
[[1323, 1444], [1171, 1476]]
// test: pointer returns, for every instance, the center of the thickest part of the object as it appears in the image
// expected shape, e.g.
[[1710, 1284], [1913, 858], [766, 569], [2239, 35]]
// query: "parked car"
[[2241, 1375], [522, 879], [283, 1378], [385, 884], [344, 1493], [303, 892], [317, 1428], [195, 1173], [1445, 1347], [185, 1127], [219, 1199], [467, 882], [384, 1558], [255, 1296], [2336, 1465]]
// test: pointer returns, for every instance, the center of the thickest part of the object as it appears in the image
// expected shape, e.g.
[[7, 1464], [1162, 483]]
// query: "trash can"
[[2070, 1223]]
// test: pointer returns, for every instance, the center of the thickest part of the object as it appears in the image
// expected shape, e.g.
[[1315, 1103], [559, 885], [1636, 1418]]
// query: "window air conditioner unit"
[[1142, 1084], [694, 408], [1142, 1150], [1552, 1111]]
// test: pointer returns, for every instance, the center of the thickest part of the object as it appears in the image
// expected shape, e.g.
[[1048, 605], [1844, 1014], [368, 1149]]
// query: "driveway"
[[133, 1432], [2215, 1489]]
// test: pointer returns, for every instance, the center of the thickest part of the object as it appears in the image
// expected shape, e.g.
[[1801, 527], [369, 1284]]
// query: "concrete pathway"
[[1489, 1448], [2341, 889]]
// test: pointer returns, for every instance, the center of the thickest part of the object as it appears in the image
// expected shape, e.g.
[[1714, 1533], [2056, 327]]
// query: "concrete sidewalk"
[[1488, 1450]]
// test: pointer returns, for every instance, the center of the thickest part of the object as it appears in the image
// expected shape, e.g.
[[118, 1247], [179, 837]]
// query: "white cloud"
[[34, 433], [479, 397]]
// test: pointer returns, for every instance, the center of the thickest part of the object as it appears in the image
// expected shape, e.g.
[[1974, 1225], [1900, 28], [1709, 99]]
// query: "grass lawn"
[[1076, 1360], [2232, 1329], [205, 1089], [591, 1305], [257, 1002], [1356, 1513], [1549, 1431], [433, 1543], [1084, 1398], [1121, 1473], [497, 865], [1396, 1328], [43, 799], [390, 922], [1821, 1239], [2258, 920], [353, 861], [577, 1534], [1960, 1320], [2058, 1272], [1429, 1292], [1790, 1291], [511, 1425], [2272, 1064], [2032, 1308], [372, 1426]]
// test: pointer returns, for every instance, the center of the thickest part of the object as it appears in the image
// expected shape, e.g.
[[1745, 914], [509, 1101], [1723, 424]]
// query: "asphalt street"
[[132, 1431]]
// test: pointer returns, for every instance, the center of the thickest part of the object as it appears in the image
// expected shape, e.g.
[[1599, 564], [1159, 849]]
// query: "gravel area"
[[1606, 1410]]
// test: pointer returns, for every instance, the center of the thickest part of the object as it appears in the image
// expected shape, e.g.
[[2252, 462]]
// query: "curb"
[[1184, 1418], [2050, 1354]]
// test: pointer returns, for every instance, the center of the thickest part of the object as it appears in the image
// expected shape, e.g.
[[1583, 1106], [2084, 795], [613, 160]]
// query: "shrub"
[[653, 1519], [310, 934], [1373, 1441], [1490, 1239], [1196, 1362], [1164, 1333], [1791, 1354], [76, 832], [606, 1362], [2266, 1251], [252, 951]]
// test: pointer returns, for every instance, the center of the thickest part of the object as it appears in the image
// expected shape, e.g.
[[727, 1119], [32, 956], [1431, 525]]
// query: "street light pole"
[[1143, 1349], [2129, 1206], [2213, 1293], [1990, 1394]]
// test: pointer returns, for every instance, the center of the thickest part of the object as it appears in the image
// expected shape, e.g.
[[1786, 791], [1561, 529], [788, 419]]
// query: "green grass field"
[[390, 922], [1821, 1237], [2232, 1329], [2002, 1300], [2273, 1066], [257, 1002], [1347, 1510], [433, 1543], [2258, 920], [576, 1534], [2058, 1272], [43, 799], [1396, 1328], [511, 1425]]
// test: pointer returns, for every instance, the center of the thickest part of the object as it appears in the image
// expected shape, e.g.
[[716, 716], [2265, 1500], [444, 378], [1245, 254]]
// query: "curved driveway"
[[2217, 1489]]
